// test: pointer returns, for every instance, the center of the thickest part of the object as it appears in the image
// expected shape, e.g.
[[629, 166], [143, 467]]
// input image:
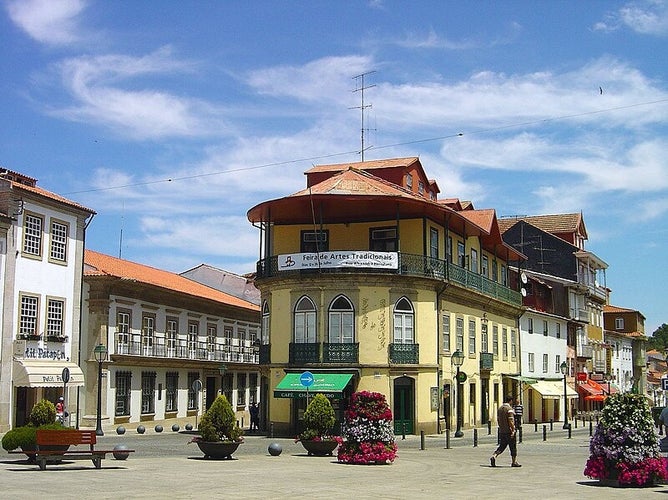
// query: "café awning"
[[38, 373], [550, 389], [329, 384]]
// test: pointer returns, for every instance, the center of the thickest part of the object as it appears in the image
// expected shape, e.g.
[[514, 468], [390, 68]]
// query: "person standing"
[[507, 434], [519, 410], [60, 410], [254, 417]]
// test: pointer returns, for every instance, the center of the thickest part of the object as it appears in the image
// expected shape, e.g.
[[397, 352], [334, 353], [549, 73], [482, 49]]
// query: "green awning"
[[329, 384]]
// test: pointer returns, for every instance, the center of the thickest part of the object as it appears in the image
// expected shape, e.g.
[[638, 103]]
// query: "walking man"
[[507, 436]]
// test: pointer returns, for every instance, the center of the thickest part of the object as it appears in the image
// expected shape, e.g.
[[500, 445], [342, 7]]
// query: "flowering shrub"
[[624, 446], [369, 438]]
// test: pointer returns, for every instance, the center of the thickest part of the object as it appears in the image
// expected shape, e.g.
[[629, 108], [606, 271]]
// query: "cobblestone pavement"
[[166, 466]]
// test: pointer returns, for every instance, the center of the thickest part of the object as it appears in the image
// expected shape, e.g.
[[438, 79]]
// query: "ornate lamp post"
[[563, 367], [457, 360], [100, 356]]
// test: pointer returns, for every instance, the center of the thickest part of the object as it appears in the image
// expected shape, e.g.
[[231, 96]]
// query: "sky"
[[171, 119]]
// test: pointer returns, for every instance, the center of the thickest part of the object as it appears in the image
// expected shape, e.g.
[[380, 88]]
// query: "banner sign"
[[322, 260]]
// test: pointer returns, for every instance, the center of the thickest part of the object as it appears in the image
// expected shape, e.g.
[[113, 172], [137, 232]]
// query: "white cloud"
[[648, 17], [53, 22]]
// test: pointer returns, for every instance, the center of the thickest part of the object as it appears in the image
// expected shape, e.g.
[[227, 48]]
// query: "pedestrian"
[[254, 417], [60, 410], [519, 410], [507, 436]]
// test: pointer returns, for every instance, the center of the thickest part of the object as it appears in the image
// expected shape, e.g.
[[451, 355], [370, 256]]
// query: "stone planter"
[[217, 450], [320, 448]]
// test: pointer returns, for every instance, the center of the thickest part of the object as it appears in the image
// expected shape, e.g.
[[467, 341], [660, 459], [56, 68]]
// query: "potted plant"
[[219, 434], [319, 420], [624, 449], [367, 431], [42, 416]]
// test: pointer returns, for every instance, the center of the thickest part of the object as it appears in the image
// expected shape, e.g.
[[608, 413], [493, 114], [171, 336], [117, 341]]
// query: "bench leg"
[[42, 463], [97, 461]]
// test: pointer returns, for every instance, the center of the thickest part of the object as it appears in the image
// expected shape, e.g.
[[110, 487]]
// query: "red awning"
[[590, 389], [595, 397]]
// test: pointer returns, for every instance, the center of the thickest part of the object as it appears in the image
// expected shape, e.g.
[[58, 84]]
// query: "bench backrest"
[[69, 436]]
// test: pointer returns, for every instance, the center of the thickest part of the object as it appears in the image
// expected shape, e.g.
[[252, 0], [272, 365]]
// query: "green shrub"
[[219, 423], [26, 437], [44, 412], [319, 418]]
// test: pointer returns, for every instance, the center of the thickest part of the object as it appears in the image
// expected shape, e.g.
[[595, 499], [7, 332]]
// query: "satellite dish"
[[523, 291], [524, 278]]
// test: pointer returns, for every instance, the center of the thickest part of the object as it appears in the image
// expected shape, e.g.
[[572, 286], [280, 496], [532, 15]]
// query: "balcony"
[[200, 351], [405, 354], [301, 353], [409, 265], [579, 314], [585, 351], [486, 361], [340, 353]]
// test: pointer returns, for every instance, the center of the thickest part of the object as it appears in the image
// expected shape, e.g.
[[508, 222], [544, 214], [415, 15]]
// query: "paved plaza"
[[166, 466]]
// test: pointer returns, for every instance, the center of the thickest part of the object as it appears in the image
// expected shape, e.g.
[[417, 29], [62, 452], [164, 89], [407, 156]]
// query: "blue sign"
[[306, 379]]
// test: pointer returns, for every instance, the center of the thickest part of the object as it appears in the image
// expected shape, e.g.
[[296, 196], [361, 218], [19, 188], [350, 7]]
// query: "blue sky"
[[172, 118]]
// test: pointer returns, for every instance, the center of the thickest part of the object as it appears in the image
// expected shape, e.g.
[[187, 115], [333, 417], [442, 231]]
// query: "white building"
[[41, 252]]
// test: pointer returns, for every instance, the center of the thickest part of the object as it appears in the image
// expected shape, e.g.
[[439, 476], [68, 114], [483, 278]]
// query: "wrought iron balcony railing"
[[405, 354], [200, 351], [340, 353]]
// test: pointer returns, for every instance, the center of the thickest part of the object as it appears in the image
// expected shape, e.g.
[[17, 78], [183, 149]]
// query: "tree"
[[659, 339]]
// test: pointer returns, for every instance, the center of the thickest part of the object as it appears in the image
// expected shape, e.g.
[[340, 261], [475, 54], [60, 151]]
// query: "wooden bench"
[[48, 439]]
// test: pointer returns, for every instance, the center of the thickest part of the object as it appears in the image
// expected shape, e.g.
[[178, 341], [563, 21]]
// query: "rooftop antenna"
[[360, 87]]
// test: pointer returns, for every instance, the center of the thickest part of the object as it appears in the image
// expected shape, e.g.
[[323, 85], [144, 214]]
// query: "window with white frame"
[[504, 275], [123, 385], [29, 315], [546, 330], [148, 392], [619, 323], [304, 321], [446, 331], [193, 338], [558, 330], [530, 325], [55, 312], [504, 342], [58, 241], [495, 341], [433, 243], [147, 333], [545, 363], [513, 345], [123, 323], [32, 234], [531, 362], [484, 344], [211, 337], [241, 389], [459, 333], [484, 269], [171, 391], [172, 332], [341, 321], [557, 363], [472, 334], [461, 254], [193, 399], [265, 323], [403, 322], [474, 261]]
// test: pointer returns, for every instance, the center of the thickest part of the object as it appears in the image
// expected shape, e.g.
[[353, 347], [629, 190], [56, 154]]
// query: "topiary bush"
[[44, 412], [219, 422], [319, 419], [26, 437]]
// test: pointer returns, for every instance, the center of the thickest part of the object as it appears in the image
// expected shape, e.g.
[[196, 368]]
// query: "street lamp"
[[100, 356], [563, 367], [457, 360]]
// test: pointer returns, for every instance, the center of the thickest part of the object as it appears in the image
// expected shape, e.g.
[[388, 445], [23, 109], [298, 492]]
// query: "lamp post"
[[457, 360], [563, 367], [100, 356]]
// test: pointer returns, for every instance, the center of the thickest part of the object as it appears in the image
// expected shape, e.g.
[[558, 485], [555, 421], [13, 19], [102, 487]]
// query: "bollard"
[[271, 429], [535, 425], [489, 427], [520, 433], [576, 422], [422, 440], [403, 431], [447, 439], [551, 425], [475, 438], [545, 433], [569, 431], [591, 428]]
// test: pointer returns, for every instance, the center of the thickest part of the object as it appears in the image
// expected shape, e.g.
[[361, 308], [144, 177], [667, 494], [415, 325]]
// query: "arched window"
[[265, 323], [403, 322], [305, 321], [341, 321]]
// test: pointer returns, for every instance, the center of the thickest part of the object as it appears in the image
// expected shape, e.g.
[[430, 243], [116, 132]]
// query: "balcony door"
[[404, 405]]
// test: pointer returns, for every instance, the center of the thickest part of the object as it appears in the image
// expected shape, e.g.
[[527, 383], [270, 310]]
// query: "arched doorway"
[[404, 405]]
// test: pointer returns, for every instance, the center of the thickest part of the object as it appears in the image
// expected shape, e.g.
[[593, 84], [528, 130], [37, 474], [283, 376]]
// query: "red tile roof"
[[366, 165], [98, 264], [49, 195], [553, 223]]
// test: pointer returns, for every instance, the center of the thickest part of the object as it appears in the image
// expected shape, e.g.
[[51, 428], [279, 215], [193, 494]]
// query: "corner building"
[[370, 282]]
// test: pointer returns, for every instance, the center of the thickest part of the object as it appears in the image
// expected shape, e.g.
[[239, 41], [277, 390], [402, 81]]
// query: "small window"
[[446, 332], [459, 326], [58, 242], [148, 392], [545, 362], [420, 187], [315, 241], [403, 322], [530, 325], [55, 317], [32, 234], [472, 335], [265, 323], [557, 363], [304, 321], [29, 315], [433, 243], [484, 269], [341, 321], [531, 362], [619, 323], [383, 239], [409, 181], [474, 261], [461, 254], [193, 395], [558, 330], [123, 384], [545, 328]]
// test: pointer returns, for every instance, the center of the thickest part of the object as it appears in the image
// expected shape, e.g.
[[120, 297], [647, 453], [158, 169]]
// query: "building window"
[[513, 345], [265, 323], [459, 334], [420, 187], [504, 276], [448, 249], [619, 323], [557, 363], [29, 311], [545, 328], [474, 261], [55, 311], [58, 250], [123, 386], [530, 325], [172, 333], [558, 330], [211, 337], [228, 380], [409, 182], [545, 362], [446, 332], [171, 391], [472, 333], [495, 341], [383, 239], [495, 271], [147, 334], [461, 254], [433, 243], [241, 389], [148, 392], [32, 234], [315, 241], [193, 338], [531, 362], [252, 387], [504, 342], [403, 322], [305, 324], [341, 321], [484, 345], [484, 269], [123, 331], [193, 398]]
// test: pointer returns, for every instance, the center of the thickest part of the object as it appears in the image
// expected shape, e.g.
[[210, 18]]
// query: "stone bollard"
[[447, 439], [551, 424], [545, 433], [569, 431], [475, 438], [489, 427], [422, 440], [591, 428]]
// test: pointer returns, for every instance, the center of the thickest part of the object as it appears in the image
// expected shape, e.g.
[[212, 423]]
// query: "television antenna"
[[361, 87]]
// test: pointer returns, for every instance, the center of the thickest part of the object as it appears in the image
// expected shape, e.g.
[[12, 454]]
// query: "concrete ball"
[[119, 453], [175, 428], [158, 428], [141, 429], [120, 430], [275, 449], [189, 427]]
